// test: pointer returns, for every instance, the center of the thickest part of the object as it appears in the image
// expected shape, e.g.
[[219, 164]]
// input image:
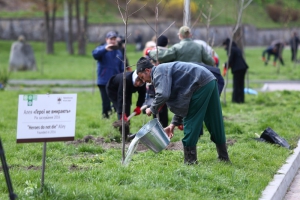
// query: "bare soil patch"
[[140, 148], [108, 145]]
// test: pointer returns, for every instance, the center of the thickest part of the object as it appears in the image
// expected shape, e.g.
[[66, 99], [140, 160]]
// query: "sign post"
[[46, 118]]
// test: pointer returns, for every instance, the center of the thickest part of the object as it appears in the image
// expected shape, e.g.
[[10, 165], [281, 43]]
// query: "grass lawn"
[[90, 171], [61, 65]]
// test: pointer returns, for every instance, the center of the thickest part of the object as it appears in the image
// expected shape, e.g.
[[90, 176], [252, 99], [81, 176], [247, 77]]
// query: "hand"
[[170, 130], [180, 127], [263, 59], [137, 110], [148, 112], [274, 64], [111, 47]]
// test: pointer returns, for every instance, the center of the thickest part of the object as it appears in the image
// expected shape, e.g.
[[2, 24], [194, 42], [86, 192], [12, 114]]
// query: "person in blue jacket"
[[110, 61]]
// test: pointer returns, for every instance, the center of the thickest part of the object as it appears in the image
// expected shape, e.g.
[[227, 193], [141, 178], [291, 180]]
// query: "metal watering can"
[[153, 136]]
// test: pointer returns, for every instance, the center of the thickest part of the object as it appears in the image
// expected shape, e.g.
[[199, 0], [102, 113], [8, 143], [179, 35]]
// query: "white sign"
[[46, 117]]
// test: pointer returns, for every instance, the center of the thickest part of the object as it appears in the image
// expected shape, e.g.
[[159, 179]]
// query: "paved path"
[[286, 183], [293, 192]]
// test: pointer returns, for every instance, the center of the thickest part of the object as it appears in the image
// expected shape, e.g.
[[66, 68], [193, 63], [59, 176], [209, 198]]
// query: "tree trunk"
[[66, 24], [238, 37], [52, 28], [70, 25], [81, 29], [47, 21]]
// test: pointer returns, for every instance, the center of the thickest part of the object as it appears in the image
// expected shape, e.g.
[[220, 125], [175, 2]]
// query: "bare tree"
[[125, 16], [50, 25], [70, 27]]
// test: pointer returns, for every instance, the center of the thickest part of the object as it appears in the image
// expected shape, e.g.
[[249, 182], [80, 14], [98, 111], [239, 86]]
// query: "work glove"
[[125, 117], [148, 50], [137, 110], [224, 70], [180, 127], [128, 69], [216, 60]]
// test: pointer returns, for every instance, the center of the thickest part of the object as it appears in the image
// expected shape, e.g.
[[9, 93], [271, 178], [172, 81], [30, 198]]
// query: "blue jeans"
[[106, 104]]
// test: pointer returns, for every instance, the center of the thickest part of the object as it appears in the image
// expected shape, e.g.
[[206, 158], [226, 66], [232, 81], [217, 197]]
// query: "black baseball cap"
[[111, 34]]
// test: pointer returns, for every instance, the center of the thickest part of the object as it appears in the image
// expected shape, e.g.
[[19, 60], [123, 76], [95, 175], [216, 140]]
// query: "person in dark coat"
[[238, 68], [272, 51], [294, 42], [114, 89]]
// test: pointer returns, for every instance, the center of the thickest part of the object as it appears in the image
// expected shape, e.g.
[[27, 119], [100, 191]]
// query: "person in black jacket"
[[294, 42], [114, 90], [238, 68]]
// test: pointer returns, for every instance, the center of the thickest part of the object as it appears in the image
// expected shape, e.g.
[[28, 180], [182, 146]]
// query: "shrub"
[[280, 14], [172, 9]]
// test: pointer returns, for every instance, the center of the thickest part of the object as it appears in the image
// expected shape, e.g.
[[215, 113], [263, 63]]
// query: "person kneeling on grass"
[[114, 89], [191, 93]]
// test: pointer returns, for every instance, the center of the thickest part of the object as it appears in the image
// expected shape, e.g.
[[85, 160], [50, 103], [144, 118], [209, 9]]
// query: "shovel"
[[118, 124]]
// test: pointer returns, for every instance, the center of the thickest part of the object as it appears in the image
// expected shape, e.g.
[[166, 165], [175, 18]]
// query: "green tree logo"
[[29, 98]]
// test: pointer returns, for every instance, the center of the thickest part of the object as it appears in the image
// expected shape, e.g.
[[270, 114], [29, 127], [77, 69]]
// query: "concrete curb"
[[277, 188]]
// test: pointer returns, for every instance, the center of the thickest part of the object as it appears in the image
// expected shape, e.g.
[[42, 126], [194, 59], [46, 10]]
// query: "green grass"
[[87, 171], [61, 65]]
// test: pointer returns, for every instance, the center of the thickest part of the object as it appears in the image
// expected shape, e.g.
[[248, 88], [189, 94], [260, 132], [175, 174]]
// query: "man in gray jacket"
[[191, 93]]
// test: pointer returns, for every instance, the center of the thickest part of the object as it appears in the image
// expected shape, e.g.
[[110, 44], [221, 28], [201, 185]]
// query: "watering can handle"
[[134, 113]]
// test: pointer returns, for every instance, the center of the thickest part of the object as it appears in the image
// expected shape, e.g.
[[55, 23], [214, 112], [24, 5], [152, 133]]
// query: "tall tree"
[[82, 27], [49, 25], [70, 27]]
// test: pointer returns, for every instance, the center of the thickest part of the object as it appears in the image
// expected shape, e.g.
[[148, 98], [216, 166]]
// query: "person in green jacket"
[[186, 50]]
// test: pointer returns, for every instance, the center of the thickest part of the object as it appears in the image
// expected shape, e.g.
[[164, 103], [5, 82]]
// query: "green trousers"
[[204, 106]]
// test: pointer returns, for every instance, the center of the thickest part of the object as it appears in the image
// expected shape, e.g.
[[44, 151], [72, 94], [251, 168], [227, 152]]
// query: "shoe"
[[222, 152], [190, 155]]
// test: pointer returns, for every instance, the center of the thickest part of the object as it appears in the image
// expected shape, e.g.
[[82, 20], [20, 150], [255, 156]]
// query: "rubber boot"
[[222, 152], [190, 155]]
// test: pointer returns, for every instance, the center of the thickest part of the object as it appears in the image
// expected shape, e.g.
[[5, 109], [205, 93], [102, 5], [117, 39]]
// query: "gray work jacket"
[[175, 83]]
